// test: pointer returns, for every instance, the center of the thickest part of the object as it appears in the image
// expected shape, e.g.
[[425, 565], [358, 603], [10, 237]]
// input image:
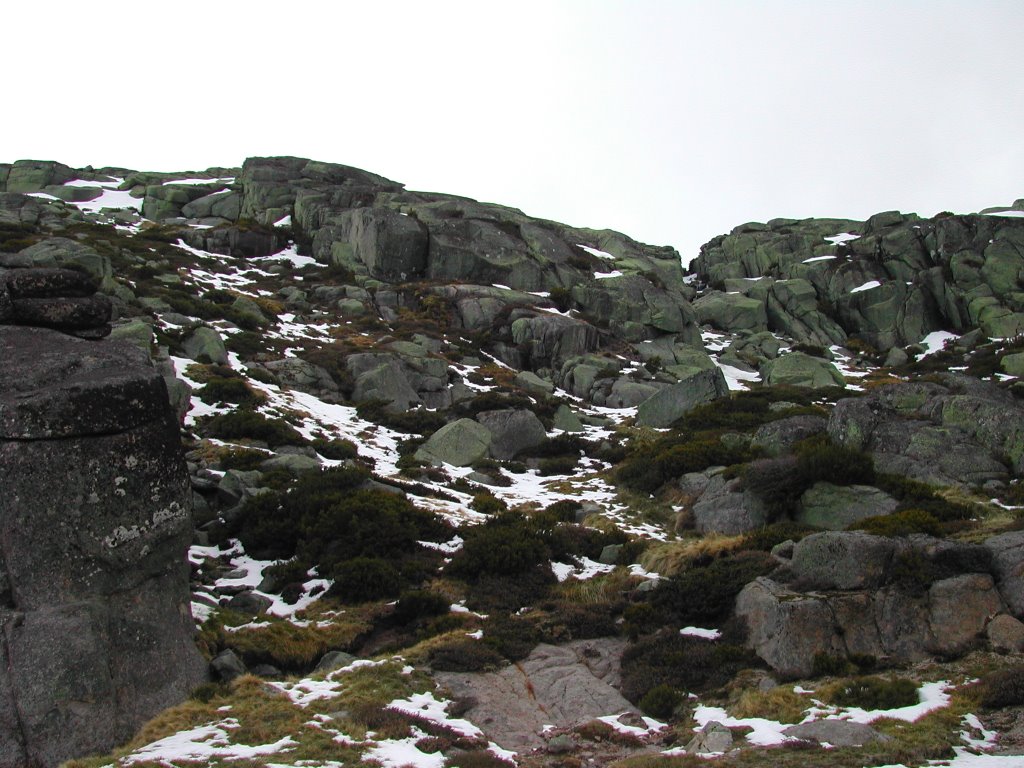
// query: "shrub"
[[241, 459], [505, 545], [709, 593], [559, 465], [420, 422], [487, 503], [661, 701], [363, 579], [820, 460], [1004, 688], [904, 523], [229, 390], [565, 510], [465, 655], [649, 467], [764, 539], [745, 411], [244, 424], [561, 298], [477, 759], [681, 662], [420, 604], [876, 693], [336, 449]]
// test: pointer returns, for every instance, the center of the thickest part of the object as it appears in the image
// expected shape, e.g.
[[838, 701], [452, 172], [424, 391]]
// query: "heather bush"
[[903, 523], [245, 424], [708, 593], [1004, 688], [363, 579], [505, 545], [875, 693]]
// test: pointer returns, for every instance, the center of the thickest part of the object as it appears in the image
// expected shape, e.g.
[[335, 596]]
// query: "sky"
[[668, 120]]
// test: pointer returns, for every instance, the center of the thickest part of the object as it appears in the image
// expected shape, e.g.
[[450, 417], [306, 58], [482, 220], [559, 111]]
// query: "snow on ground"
[[198, 182], [606, 275], [584, 568], [424, 705], [935, 342], [705, 634], [651, 726], [815, 259], [286, 221], [1008, 214], [306, 691], [111, 198], [401, 753], [735, 377], [866, 286], [112, 184], [595, 252], [289, 254], [204, 742]]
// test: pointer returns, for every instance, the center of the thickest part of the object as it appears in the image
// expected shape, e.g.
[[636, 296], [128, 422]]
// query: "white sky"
[[669, 121]]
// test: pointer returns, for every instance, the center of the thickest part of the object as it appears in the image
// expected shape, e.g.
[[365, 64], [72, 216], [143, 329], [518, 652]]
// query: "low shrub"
[[745, 411], [1004, 688], [650, 466], [487, 503], [242, 459], [465, 655], [903, 523], [708, 594], [420, 604], [875, 693], [363, 579], [661, 701], [419, 422], [558, 465], [564, 510], [244, 424], [765, 538], [505, 545], [229, 390], [336, 449], [680, 662]]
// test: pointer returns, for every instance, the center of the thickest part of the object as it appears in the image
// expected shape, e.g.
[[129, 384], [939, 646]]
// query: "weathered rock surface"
[[898, 599], [664, 407], [561, 686], [460, 444], [94, 609], [838, 733]]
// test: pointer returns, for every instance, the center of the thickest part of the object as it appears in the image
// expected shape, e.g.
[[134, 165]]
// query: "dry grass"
[[780, 704], [674, 557]]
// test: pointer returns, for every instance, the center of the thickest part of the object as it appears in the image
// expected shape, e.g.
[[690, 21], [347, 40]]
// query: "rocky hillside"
[[472, 488]]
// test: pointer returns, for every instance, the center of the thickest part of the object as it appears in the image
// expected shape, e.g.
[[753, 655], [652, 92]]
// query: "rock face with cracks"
[[95, 626]]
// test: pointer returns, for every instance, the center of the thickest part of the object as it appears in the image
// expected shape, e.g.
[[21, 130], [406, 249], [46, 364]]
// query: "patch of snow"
[[42, 195], [115, 182], [285, 221], [866, 286], [204, 742], [931, 696], [583, 569], [1008, 214], [987, 738], [502, 287], [111, 198], [736, 378], [448, 547], [936, 342], [402, 753], [638, 570], [306, 691], [764, 733], [433, 710], [595, 252], [606, 275], [289, 254], [814, 259], [652, 725], [842, 237], [198, 182], [705, 634]]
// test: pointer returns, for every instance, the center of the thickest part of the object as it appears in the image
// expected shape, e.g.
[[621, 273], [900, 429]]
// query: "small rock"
[[226, 666], [838, 733], [560, 745], [249, 602], [1006, 633], [333, 660], [712, 738]]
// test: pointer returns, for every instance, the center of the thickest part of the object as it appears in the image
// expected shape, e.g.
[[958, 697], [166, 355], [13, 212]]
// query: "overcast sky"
[[669, 121]]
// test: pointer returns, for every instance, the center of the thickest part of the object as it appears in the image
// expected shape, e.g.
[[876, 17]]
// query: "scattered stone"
[[714, 738], [333, 660], [1006, 633], [838, 733], [226, 666]]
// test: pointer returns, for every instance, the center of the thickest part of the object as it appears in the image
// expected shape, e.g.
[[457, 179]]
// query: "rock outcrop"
[[901, 600], [95, 626]]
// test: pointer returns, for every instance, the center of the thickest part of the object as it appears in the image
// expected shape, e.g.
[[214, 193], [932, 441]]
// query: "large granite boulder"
[[94, 601], [460, 444], [512, 431], [902, 600], [664, 407]]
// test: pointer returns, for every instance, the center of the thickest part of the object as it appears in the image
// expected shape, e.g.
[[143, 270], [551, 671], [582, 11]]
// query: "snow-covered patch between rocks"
[[705, 634], [306, 691], [399, 753], [424, 705], [936, 342], [814, 259], [866, 286], [595, 252], [842, 237], [606, 275], [583, 569]]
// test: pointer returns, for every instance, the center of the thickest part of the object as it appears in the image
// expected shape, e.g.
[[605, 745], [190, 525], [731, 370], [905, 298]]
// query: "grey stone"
[[531, 382], [460, 444], [836, 507], [250, 603], [96, 622], [333, 660], [610, 554], [714, 738], [842, 560], [1008, 565], [226, 666], [800, 370], [838, 733], [512, 431], [293, 464], [563, 686], [1005, 633], [724, 508], [779, 436], [959, 609], [666, 406], [566, 420], [205, 345]]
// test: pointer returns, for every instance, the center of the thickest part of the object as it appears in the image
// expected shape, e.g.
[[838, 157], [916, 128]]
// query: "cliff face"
[[95, 517]]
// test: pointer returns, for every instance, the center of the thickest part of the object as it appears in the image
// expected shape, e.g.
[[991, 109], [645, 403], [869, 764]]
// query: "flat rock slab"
[[559, 686]]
